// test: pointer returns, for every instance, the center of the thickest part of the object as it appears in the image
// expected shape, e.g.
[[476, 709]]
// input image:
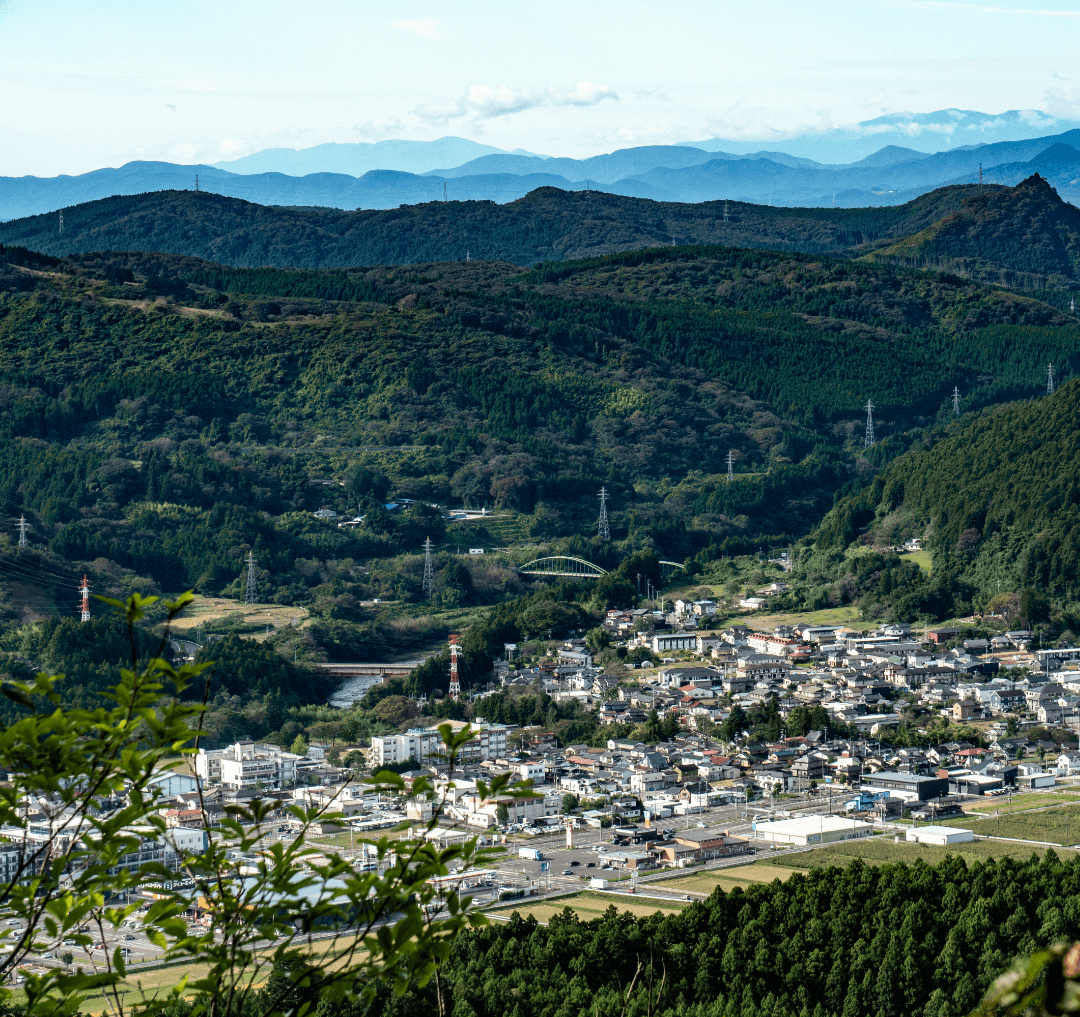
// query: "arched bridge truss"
[[562, 566]]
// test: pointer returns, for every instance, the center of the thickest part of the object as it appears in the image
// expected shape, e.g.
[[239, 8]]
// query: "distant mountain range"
[[892, 175], [926, 132], [1021, 236]]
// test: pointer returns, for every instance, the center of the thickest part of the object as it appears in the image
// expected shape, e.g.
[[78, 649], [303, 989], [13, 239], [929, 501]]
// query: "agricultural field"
[[1057, 825], [1021, 803], [705, 880], [921, 558], [881, 850], [587, 906], [242, 618]]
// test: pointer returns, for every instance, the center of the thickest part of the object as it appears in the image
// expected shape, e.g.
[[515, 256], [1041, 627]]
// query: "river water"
[[354, 689]]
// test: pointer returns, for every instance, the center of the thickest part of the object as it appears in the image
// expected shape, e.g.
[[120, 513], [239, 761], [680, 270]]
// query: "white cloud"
[[483, 102], [379, 127], [425, 27]]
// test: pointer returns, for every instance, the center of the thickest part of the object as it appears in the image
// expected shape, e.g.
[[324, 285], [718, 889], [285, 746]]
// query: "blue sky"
[[85, 86]]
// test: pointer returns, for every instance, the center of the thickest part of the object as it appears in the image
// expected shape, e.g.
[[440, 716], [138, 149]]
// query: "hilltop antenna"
[[85, 591], [730, 465], [1050, 379], [251, 586], [23, 542], [429, 569], [455, 686], [956, 400], [602, 528], [61, 220], [869, 439]]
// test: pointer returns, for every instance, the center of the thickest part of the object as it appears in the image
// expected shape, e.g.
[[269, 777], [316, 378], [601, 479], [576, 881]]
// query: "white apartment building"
[[422, 744], [247, 766]]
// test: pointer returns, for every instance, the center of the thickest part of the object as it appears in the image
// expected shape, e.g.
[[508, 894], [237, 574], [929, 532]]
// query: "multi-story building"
[[421, 744], [248, 766]]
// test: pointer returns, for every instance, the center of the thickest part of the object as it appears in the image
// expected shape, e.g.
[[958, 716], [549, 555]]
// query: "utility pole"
[[1050, 379], [602, 528], [956, 400], [730, 465], [251, 586], [869, 439], [85, 591], [455, 685], [429, 569], [23, 527]]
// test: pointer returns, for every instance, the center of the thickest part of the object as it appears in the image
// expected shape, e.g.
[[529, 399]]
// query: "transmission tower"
[[730, 465], [869, 439], [23, 527], [85, 591], [61, 220], [251, 586], [725, 212], [429, 569], [956, 400], [1072, 305], [455, 685], [602, 527], [1050, 379]]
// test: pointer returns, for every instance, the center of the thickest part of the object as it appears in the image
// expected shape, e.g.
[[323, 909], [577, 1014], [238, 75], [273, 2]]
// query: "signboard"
[[543, 866]]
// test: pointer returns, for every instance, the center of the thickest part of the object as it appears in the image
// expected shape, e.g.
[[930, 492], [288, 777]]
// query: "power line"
[[869, 439], [23, 542], [956, 400]]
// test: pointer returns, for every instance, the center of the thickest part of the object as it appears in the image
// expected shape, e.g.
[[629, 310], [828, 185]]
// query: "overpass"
[[399, 668]]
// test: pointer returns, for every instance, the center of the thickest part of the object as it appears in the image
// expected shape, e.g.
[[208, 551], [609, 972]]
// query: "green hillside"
[[546, 225], [163, 416], [1018, 236], [997, 500]]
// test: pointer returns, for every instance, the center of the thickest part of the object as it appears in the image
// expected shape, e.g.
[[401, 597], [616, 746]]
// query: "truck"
[[533, 854], [598, 884]]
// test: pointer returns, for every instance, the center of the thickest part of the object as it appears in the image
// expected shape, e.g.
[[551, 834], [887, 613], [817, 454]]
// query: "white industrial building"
[[939, 835], [812, 830]]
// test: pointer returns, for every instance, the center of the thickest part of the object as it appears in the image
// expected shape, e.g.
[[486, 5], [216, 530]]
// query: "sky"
[[85, 86]]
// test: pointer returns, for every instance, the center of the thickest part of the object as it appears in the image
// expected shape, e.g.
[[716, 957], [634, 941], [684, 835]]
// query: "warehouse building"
[[939, 835], [812, 830], [909, 786]]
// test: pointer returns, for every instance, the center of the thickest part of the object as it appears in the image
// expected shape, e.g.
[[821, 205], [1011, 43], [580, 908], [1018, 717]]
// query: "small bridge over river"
[[569, 567]]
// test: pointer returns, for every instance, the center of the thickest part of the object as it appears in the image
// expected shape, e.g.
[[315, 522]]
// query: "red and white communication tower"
[[85, 591], [455, 685]]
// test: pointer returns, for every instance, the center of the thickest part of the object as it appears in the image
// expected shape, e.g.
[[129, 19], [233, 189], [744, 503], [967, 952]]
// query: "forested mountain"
[[165, 415], [996, 498], [1020, 236], [547, 225]]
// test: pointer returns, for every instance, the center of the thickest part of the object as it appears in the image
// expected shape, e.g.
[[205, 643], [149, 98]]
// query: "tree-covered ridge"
[[1021, 236], [548, 224], [890, 941], [997, 500]]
